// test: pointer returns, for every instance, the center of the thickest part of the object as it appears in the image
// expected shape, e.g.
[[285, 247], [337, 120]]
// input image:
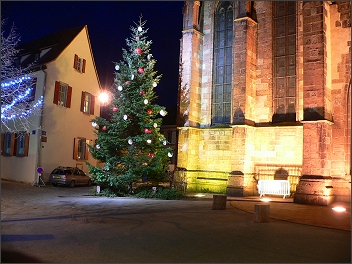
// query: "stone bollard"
[[219, 202], [261, 213]]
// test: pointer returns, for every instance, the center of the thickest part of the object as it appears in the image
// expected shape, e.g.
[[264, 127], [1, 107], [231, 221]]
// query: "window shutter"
[[56, 93], [12, 151], [75, 63], [86, 150], [69, 95], [26, 145], [2, 143], [84, 66], [75, 148], [82, 101], [92, 103]]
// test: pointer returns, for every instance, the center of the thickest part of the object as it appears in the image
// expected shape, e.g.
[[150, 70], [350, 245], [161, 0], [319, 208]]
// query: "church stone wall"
[[211, 155], [252, 147]]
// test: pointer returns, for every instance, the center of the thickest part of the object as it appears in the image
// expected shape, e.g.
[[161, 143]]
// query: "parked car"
[[69, 176]]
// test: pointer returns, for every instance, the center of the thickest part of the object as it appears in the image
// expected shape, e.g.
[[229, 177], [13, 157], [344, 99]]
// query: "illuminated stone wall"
[[210, 155], [252, 147]]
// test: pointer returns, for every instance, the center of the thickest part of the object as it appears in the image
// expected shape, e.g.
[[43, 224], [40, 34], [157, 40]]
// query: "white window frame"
[[63, 95], [87, 103], [8, 144], [80, 64], [20, 144]]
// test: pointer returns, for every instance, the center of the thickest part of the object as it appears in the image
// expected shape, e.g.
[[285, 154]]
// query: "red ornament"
[[147, 131], [140, 70], [138, 51], [127, 82], [151, 155], [142, 92], [103, 128], [149, 111], [114, 109]]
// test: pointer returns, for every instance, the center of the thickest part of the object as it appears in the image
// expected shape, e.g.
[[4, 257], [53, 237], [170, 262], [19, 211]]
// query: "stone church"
[[265, 94]]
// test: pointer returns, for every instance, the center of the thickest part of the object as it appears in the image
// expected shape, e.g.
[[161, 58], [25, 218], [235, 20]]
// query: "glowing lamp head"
[[339, 209], [104, 97]]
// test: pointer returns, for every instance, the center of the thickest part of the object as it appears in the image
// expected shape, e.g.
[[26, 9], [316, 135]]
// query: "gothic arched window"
[[222, 69], [284, 61]]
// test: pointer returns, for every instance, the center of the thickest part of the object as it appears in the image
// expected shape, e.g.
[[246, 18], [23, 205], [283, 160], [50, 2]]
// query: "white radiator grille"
[[276, 187]]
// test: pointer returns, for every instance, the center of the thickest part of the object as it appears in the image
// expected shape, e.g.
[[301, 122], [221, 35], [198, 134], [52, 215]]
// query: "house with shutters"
[[65, 76]]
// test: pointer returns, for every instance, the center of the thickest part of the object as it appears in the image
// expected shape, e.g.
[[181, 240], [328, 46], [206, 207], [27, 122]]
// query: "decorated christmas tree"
[[130, 144]]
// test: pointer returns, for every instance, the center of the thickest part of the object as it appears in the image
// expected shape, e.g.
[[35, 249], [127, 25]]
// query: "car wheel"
[[54, 184], [72, 184], [89, 183]]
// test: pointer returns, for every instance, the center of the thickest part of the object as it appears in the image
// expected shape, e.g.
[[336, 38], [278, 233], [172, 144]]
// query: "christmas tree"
[[130, 144]]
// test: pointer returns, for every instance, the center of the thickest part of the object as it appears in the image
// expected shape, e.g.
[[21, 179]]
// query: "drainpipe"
[[39, 157], [350, 98]]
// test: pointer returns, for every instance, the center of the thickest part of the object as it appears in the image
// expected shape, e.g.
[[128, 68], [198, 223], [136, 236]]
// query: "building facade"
[[265, 94], [66, 77]]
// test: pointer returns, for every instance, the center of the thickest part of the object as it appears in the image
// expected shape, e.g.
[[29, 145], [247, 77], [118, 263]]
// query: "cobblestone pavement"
[[286, 210], [67, 225]]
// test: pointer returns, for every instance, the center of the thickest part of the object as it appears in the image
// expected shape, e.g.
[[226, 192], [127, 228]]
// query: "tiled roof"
[[48, 48]]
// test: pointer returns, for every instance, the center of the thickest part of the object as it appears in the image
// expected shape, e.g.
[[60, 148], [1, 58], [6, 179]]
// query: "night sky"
[[108, 27]]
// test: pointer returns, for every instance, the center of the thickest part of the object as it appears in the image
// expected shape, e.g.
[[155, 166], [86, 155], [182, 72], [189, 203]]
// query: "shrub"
[[106, 191], [160, 193]]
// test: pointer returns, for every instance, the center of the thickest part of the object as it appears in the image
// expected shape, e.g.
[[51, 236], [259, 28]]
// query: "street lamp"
[[104, 98]]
